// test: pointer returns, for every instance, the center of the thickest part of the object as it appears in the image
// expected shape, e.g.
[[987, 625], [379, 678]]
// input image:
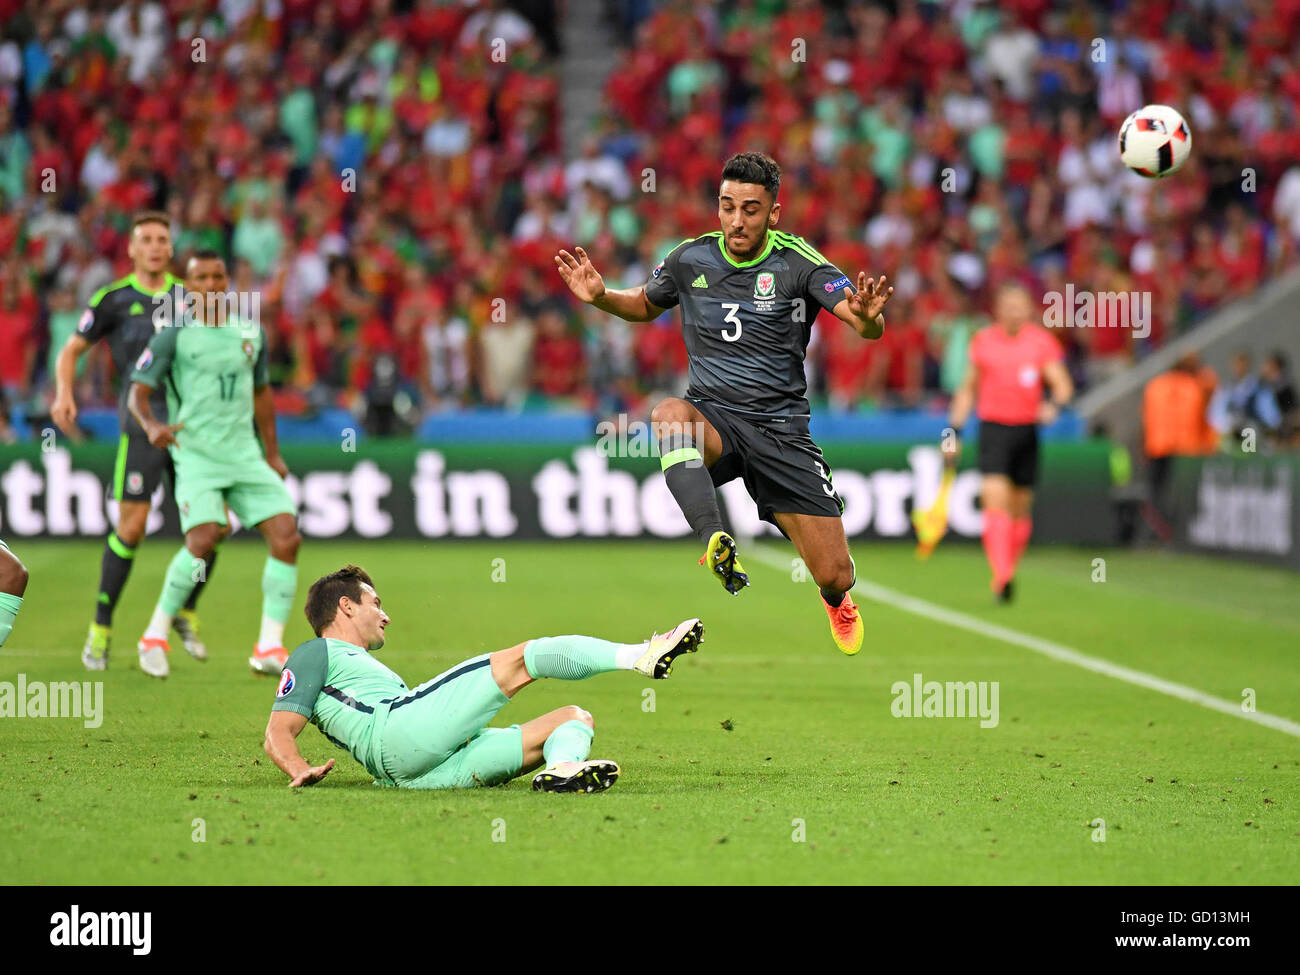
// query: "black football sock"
[[114, 569], [834, 597], [208, 563], [688, 480]]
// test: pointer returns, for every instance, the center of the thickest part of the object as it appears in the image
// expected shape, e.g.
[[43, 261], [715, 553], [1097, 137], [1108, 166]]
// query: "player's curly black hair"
[[754, 167], [324, 595]]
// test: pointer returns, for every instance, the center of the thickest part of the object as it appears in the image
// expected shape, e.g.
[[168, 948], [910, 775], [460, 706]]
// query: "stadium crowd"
[[389, 176]]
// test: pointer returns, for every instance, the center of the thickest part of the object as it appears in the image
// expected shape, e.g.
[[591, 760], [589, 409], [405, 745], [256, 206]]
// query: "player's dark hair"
[[324, 595], [206, 254], [151, 216], [754, 167]]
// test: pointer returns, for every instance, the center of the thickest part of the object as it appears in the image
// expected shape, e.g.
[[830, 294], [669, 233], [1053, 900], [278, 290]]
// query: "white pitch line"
[[1056, 651]]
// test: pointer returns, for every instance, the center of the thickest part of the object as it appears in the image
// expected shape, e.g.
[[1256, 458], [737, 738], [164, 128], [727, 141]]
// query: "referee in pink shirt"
[[1010, 361]]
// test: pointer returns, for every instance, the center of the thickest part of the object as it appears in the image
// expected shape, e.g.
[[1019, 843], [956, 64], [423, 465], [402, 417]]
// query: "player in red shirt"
[[1010, 360]]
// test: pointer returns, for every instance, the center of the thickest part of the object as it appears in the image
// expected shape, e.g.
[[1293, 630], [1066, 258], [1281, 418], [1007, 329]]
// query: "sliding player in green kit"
[[435, 736], [213, 366]]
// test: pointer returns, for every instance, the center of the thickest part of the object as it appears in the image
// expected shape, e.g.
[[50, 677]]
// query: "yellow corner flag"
[[932, 523]]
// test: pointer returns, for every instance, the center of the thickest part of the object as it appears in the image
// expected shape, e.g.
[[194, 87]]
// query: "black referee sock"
[[688, 480], [208, 563], [114, 569]]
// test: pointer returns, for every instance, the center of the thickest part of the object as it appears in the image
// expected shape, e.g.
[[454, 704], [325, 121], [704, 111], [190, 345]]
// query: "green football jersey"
[[345, 692], [209, 374]]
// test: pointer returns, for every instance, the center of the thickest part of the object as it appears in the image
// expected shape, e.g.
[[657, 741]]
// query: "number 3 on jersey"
[[733, 317]]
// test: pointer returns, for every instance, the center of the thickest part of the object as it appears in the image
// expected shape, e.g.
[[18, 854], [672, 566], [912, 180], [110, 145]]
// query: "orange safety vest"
[[1173, 415]]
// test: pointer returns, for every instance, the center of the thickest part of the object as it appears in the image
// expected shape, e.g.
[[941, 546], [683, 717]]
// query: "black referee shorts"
[[1011, 450], [783, 469]]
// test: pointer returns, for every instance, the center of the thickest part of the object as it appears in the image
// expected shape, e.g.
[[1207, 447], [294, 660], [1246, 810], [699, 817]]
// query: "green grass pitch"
[[767, 736]]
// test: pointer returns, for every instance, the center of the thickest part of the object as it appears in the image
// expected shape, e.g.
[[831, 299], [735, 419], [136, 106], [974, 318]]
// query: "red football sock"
[[1021, 529], [998, 545]]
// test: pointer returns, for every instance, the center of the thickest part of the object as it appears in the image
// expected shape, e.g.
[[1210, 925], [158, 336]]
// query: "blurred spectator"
[[949, 338], [558, 364], [1175, 420], [15, 155], [7, 434], [660, 353], [1276, 377], [1009, 55], [541, 219], [1245, 402], [82, 273], [855, 369], [603, 170], [436, 342], [18, 338], [258, 237], [494, 20], [139, 33], [505, 349], [65, 312], [1110, 343]]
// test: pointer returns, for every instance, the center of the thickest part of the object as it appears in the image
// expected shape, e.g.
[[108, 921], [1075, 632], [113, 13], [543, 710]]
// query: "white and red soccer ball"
[[1155, 141]]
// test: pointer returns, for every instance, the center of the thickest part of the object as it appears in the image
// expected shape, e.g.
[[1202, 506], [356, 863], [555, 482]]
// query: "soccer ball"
[[1155, 141]]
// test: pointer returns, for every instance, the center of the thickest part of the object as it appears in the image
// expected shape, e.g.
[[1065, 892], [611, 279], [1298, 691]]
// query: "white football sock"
[[627, 654], [272, 634], [159, 625]]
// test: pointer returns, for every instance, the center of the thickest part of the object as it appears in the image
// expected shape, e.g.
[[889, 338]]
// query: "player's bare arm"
[[1061, 387], [264, 418], [161, 435], [64, 410], [281, 744], [587, 285], [865, 310]]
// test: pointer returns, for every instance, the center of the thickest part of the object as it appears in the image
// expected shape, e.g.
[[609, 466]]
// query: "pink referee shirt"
[[1010, 384]]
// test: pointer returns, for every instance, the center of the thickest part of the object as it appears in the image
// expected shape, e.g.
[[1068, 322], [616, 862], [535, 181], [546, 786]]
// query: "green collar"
[[169, 280], [768, 244]]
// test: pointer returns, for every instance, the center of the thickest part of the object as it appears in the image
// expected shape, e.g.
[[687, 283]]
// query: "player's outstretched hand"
[[311, 776], [871, 297], [278, 465], [162, 436], [580, 275]]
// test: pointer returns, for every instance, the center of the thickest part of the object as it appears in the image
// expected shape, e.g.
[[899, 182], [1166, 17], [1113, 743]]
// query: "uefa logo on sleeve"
[[286, 683]]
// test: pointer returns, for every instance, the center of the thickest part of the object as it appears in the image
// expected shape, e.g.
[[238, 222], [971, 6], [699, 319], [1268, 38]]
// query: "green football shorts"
[[253, 492], [436, 736]]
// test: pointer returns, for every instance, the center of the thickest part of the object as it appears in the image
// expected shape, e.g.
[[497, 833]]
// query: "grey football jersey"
[[122, 313], [747, 325]]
